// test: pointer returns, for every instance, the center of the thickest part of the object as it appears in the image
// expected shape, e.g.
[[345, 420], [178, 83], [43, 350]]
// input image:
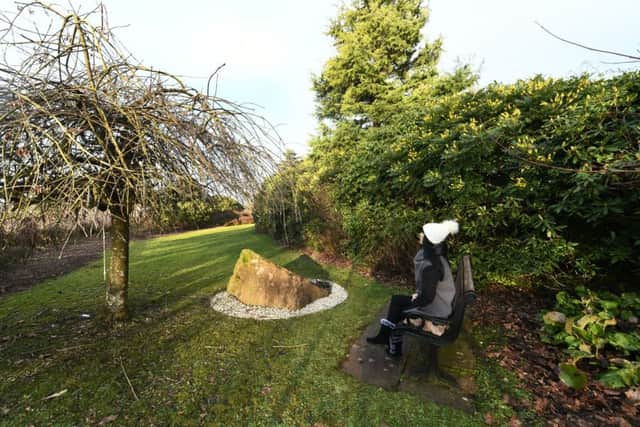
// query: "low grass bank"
[[180, 363]]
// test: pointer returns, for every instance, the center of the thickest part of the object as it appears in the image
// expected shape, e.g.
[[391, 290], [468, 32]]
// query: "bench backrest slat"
[[465, 294], [467, 280]]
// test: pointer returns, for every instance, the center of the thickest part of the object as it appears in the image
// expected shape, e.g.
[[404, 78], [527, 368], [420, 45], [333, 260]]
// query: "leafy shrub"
[[185, 212], [596, 326], [542, 175], [323, 229], [382, 236], [281, 206]]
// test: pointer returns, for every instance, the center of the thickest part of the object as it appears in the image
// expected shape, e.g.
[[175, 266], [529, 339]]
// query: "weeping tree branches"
[[82, 124]]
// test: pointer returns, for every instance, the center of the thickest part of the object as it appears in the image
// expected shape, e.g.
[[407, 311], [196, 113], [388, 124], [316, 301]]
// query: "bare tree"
[[628, 58], [82, 124]]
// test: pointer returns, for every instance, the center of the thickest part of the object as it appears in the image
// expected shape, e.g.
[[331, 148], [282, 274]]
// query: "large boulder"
[[256, 281]]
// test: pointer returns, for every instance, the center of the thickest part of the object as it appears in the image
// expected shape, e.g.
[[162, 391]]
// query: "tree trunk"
[[118, 283]]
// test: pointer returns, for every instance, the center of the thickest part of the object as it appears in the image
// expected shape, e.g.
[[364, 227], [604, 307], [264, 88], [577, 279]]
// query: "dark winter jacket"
[[434, 284]]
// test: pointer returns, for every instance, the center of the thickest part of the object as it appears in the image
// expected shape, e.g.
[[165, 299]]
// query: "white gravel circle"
[[229, 305]]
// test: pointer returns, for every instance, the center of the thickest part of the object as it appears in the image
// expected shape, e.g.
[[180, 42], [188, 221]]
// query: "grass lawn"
[[178, 362]]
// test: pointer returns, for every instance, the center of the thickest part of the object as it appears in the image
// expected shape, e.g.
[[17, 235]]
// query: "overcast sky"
[[271, 48]]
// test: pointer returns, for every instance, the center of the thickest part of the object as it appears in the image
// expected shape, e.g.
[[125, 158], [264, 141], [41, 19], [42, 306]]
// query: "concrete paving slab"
[[370, 364]]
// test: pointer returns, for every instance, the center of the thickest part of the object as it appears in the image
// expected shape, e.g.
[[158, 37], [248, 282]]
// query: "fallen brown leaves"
[[535, 364]]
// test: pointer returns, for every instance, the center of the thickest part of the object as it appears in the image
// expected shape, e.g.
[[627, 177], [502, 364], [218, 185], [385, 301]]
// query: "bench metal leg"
[[433, 368]]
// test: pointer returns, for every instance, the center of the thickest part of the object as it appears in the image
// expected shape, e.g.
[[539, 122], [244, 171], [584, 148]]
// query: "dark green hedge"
[[542, 176]]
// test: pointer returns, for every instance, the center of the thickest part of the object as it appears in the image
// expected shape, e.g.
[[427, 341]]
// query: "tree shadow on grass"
[[153, 352], [307, 267]]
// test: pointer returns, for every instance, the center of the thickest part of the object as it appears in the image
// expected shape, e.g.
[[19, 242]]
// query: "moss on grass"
[[187, 364]]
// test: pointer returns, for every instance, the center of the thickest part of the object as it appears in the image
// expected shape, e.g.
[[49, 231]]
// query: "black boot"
[[382, 337]]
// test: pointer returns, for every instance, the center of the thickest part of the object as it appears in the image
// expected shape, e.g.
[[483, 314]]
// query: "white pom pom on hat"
[[437, 232]]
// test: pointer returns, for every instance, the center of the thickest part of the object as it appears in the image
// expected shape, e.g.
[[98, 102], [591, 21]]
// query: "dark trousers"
[[397, 305]]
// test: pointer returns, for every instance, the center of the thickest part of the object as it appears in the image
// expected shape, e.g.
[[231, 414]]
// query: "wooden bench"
[[465, 295]]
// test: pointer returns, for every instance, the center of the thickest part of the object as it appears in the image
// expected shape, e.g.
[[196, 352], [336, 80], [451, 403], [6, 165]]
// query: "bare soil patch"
[[48, 263]]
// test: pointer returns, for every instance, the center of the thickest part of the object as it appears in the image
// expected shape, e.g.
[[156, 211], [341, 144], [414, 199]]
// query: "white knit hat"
[[436, 232]]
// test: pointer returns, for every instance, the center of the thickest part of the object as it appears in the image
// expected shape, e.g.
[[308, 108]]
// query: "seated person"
[[435, 287]]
